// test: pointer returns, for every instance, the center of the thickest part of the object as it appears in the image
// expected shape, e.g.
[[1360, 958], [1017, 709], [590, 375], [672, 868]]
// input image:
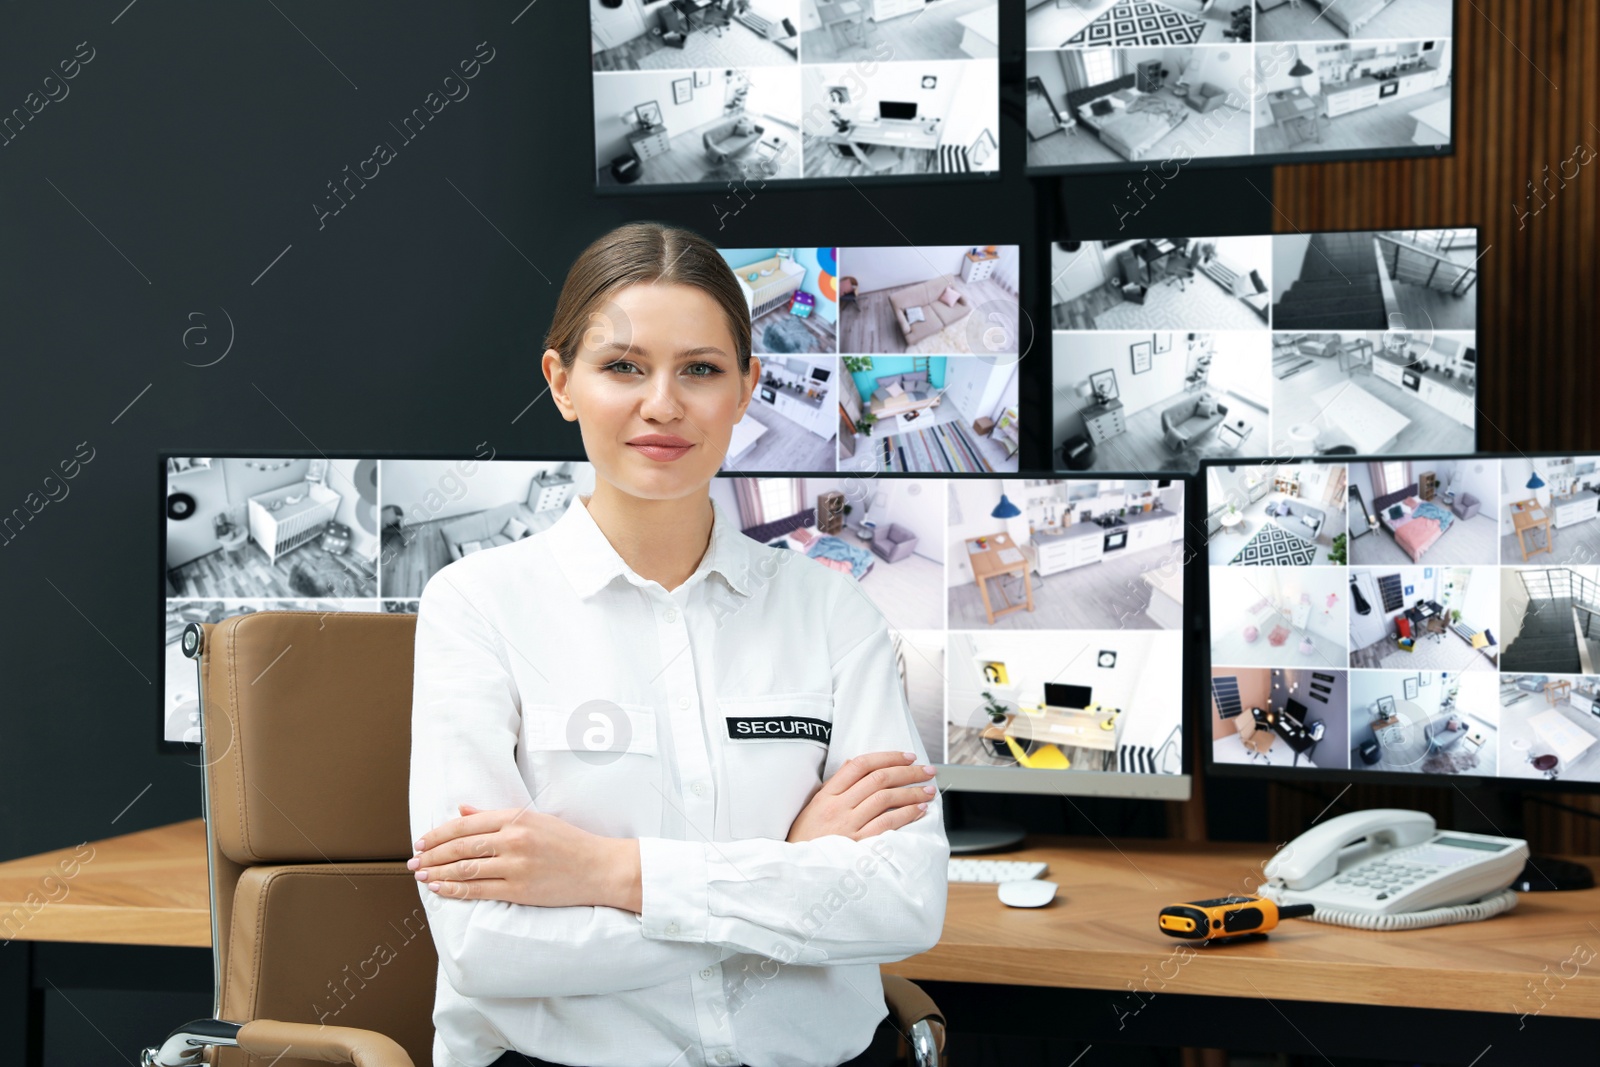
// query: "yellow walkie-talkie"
[[1225, 918]]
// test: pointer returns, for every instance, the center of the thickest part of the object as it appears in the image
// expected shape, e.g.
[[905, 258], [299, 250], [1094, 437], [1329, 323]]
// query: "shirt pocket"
[[597, 768], [774, 751]]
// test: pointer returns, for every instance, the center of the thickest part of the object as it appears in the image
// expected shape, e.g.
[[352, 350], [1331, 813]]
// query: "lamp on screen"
[[1541, 491]]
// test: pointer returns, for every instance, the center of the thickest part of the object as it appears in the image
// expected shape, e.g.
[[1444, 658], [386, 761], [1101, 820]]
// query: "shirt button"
[[672, 928], [698, 788], [683, 702], [706, 973], [724, 1057], [672, 615]]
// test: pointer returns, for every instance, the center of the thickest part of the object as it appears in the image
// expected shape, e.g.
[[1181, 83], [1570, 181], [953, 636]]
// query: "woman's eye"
[[711, 368], [620, 365]]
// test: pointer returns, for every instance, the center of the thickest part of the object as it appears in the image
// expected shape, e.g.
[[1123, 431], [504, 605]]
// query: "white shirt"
[[699, 721]]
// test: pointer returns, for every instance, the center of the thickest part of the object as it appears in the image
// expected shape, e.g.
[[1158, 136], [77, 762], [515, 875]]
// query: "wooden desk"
[[1527, 515], [909, 134], [987, 564], [1556, 691], [1298, 108], [144, 888], [1100, 933]]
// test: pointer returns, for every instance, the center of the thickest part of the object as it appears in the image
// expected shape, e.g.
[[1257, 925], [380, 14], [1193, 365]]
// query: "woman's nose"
[[661, 402]]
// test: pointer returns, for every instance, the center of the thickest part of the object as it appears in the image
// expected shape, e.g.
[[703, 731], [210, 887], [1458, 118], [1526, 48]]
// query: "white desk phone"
[[1391, 869]]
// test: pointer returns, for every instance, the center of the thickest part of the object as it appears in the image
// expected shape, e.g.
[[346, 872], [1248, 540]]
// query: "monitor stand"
[[1546, 874], [971, 834]]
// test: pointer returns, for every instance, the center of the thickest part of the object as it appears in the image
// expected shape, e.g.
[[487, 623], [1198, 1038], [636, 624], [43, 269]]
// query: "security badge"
[[778, 728]]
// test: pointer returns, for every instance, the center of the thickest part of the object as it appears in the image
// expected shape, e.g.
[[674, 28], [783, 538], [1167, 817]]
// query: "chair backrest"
[[315, 918]]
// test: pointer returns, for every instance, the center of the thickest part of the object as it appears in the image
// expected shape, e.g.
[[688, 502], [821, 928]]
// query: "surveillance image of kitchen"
[[792, 423], [1065, 554]]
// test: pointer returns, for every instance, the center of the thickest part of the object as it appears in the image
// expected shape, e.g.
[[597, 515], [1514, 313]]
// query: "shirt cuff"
[[673, 898]]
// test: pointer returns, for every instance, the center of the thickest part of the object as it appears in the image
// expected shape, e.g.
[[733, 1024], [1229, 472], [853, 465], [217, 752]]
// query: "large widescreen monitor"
[[720, 94], [1158, 85], [1170, 350], [1408, 619], [1038, 622]]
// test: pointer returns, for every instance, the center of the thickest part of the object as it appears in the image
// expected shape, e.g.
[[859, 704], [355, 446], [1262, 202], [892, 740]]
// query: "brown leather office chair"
[[321, 947]]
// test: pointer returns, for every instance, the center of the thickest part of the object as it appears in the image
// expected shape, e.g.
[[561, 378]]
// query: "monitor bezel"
[[1201, 656]]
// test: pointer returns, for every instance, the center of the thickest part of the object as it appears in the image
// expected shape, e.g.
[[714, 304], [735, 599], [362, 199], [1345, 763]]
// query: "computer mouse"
[[1032, 893]]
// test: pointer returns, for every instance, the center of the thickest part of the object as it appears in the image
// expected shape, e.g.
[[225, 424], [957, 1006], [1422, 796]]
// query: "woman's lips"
[[663, 453]]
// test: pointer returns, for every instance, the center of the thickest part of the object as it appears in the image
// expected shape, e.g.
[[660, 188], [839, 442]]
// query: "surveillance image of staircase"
[[1548, 619]]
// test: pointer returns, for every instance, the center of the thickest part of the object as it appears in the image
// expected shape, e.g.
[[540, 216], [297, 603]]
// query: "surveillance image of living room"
[[1081, 701], [1280, 717], [1123, 107], [1157, 400], [1428, 618], [697, 126], [1425, 722], [1182, 283], [1434, 511], [647, 35], [1261, 514], [1374, 344], [1065, 554]]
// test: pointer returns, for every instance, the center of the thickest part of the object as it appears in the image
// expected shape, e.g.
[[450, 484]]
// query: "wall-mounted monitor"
[[1159, 85], [1054, 680], [1171, 350], [1421, 619], [697, 95]]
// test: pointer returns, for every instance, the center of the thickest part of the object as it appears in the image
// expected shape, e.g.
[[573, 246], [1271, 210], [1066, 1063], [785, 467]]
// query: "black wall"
[[181, 183]]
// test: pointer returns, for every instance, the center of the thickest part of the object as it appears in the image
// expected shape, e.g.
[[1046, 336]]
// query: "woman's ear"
[[558, 378]]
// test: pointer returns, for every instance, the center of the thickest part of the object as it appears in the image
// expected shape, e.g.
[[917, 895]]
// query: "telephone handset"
[[1389, 868]]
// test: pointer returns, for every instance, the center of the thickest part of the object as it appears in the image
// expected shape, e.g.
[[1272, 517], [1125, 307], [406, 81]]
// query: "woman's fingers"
[[460, 871], [474, 848], [480, 822], [892, 819], [854, 769], [887, 778]]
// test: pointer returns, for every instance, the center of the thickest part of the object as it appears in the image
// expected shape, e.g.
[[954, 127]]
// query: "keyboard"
[[995, 870]]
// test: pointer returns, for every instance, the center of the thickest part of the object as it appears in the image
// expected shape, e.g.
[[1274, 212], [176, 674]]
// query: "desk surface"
[[149, 888], [144, 888], [1100, 933]]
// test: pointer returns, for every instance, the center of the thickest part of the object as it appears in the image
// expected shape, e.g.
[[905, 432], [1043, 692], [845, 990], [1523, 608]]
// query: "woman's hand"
[[870, 794], [525, 857]]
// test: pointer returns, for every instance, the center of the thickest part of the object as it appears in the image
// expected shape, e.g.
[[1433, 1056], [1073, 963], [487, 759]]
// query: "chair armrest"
[[271, 1039], [910, 1006]]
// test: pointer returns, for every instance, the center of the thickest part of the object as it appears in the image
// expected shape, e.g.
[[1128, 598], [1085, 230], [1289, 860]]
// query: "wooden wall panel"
[[1527, 111]]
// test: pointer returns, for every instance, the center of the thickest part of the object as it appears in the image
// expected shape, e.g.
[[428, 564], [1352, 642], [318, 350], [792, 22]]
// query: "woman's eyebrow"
[[608, 348]]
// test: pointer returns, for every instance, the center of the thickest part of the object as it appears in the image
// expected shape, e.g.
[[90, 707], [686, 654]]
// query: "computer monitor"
[[1160, 87], [1077, 691], [1169, 348], [687, 97], [1057, 695], [1409, 619]]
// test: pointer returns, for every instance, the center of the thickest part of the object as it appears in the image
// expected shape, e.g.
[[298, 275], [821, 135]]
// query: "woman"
[[671, 806]]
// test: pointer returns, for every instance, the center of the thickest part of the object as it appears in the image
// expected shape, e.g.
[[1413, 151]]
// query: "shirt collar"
[[590, 563]]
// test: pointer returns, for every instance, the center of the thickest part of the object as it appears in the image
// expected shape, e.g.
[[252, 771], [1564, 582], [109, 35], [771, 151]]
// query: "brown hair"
[[645, 252]]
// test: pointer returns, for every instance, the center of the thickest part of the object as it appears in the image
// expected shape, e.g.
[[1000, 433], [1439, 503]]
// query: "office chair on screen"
[[306, 787]]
